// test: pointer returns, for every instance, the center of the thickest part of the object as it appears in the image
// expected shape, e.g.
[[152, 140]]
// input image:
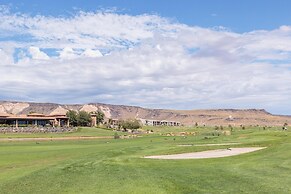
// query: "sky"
[[188, 54]]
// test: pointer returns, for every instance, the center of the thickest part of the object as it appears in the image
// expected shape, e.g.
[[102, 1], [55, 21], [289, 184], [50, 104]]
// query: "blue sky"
[[239, 16], [160, 54]]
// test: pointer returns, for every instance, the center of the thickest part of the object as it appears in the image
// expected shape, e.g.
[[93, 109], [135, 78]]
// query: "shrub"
[[116, 136], [231, 128], [130, 124]]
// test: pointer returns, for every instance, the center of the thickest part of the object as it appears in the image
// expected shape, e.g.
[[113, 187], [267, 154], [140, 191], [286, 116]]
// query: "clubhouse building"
[[34, 119]]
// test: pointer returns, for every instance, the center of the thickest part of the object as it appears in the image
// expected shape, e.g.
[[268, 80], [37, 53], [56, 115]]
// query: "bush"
[[230, 126], [130, 124], [116, 136]]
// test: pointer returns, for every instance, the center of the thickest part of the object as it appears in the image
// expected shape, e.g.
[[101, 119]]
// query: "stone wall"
[[36, 129]]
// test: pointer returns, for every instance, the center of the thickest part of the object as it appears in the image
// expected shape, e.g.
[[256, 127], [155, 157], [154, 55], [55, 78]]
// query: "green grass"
[[83, 131], [117, 166]]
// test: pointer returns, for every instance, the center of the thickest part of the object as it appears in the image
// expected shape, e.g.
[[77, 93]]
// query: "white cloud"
[[92, 53], [68, 53], [6, 58], [152, 62], [36, 53]]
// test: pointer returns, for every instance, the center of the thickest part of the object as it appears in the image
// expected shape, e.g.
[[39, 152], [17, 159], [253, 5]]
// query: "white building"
[[151, 122]]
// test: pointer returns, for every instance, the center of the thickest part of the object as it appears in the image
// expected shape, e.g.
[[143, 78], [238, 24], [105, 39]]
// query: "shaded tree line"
[[83, 118]]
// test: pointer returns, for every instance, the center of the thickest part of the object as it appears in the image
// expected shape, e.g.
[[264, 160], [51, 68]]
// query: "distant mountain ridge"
[[208, 117]]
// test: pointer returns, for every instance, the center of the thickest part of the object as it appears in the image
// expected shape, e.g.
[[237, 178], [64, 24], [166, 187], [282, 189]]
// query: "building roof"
[[5, 115], [35, 115], [31, 117]]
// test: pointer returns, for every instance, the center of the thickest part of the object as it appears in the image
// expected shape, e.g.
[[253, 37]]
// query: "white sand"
[[208, 154]]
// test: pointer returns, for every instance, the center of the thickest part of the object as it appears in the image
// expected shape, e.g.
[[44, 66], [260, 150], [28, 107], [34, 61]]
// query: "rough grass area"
[[117, 166], [83, 131]]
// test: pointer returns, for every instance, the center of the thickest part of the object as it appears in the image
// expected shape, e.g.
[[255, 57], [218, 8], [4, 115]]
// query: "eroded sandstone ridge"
[[187, 117]]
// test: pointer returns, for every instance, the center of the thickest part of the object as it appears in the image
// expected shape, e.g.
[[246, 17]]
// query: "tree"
[[130, 124], [99, 117], [73, 117], [84, 118]]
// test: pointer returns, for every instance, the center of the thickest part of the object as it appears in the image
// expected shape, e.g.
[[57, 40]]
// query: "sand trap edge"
[[208, 154]]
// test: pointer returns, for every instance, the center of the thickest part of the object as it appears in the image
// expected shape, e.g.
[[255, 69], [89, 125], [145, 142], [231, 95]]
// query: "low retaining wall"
[[36, 129]]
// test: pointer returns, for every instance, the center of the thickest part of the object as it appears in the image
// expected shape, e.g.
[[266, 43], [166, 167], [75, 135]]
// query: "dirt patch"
[[210, 144], [54, 138], [208, 154]]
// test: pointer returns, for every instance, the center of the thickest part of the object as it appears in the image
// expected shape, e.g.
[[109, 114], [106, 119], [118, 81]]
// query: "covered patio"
[[34, 119]]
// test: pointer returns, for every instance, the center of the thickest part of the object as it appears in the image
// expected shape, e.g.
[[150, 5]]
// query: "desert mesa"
[[207, 117]]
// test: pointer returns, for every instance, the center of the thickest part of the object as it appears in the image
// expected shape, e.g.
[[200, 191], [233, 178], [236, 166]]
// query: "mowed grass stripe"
[[116, 166]]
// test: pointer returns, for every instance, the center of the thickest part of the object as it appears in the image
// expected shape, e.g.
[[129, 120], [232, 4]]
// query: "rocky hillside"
[[186, 117]]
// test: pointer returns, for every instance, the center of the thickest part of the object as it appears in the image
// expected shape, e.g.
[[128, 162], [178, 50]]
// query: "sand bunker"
[[208, 154]]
